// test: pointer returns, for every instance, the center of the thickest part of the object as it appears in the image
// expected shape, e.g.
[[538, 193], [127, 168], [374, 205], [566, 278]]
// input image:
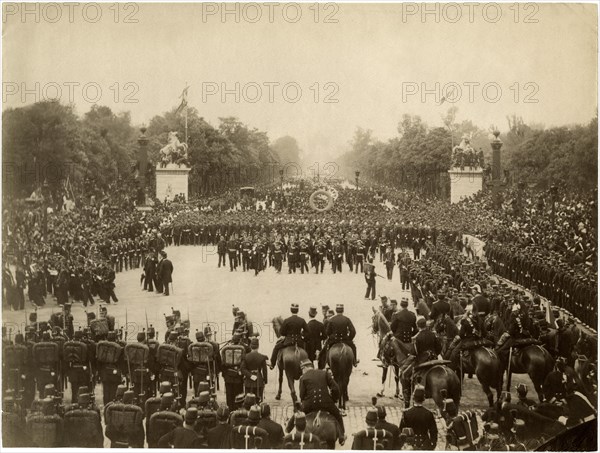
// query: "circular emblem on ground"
[[321, 200]]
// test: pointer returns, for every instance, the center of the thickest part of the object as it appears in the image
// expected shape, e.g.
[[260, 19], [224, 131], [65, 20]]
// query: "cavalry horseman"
[[468, 336], [339, 330], [293, 331]]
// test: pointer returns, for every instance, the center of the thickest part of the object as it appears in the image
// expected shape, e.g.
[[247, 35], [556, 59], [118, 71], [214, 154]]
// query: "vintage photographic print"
[[310, 225]]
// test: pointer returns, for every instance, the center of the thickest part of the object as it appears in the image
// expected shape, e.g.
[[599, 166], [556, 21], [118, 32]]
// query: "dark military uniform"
[[373, 439], [314, 393], [294, 330], [423, 424], [314, 337], [339, 329], [427, 346], [254, 366], [404, 325]]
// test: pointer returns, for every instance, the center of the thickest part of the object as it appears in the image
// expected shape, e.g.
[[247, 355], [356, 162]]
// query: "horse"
[[289, 361], [174, 151], [340, 359], [484, 363], [533, 360], [386, 355], [323, 425], [440, 381]]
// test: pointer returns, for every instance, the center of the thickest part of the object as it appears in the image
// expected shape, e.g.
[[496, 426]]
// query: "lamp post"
[[281, 178], [142, 167], [496, 170], [554, 198], [356, 174], [45, 196]]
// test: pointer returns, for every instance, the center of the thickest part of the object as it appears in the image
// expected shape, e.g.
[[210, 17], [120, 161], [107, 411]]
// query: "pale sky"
[[372, 59]]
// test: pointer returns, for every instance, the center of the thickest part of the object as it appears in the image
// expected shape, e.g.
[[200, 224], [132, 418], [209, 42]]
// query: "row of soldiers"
[[300, 252], [553, 279], [208, 231]]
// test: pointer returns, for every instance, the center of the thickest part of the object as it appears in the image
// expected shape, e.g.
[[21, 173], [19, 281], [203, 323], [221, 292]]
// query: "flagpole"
[[186, 126]]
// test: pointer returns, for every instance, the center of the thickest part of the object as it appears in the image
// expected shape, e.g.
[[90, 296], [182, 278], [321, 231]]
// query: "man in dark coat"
[[274, 429], [254, 369], [315, 334], [184, 436], [421, 421], [166, 272], [219, 437], [318, 391], [149, 272], [404, 323], [439, 308], [339, 329], [293, 331]]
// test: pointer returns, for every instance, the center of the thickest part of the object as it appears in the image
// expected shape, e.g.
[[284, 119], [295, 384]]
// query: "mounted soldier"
[[467, 338], [339, 330], [292, 332], [319, 391]]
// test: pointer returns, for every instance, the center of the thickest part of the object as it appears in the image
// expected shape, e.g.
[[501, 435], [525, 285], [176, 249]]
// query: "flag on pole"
[[184, 101]]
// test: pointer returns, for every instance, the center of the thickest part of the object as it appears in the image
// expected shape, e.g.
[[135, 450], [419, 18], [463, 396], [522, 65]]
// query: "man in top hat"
[[165, 272], [254, 369], [184, 436], [421, 421], [318, 391], [293, 331], [339, 329], [315, 334]]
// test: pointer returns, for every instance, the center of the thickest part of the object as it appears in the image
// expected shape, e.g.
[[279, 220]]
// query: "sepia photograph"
[[300, 225]]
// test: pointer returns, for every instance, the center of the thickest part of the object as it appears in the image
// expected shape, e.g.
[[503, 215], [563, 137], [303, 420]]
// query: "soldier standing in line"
[[254, 369], [231, 360], [390, 262]]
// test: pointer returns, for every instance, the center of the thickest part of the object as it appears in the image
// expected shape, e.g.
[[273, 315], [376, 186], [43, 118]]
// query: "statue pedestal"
[[465, 183], [171, 180]]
